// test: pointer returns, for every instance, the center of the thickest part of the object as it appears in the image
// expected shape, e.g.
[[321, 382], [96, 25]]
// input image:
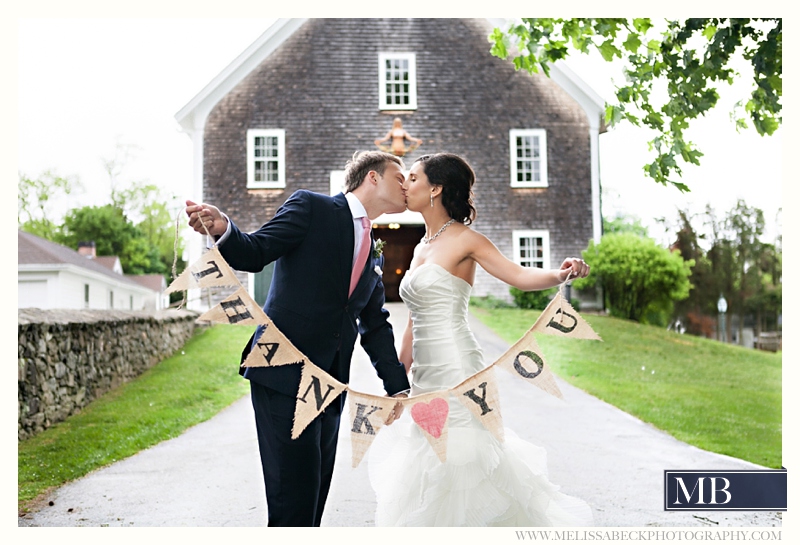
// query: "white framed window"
[[532, 248], [397, 81], [266, 158], [528, 150]]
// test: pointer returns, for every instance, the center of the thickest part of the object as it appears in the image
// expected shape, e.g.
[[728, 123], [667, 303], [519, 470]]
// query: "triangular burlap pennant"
[[273, 348], [430, 412], [317, 390], [236, 309], [479, 394], [526, 361], [368, 414], [559, 318], [209, 271]]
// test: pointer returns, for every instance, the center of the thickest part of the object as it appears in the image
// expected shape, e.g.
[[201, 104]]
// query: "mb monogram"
[[734, 490]]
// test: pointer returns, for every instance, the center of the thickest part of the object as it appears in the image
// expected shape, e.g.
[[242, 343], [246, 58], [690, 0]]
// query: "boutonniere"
[[378, 270], [378, 250]]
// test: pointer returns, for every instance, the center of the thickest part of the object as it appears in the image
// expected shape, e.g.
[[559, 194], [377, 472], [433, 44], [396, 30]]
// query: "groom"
[[326, 289]]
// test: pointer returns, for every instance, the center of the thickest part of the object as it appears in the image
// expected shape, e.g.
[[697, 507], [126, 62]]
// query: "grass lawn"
[[188, 388], [715, 396]]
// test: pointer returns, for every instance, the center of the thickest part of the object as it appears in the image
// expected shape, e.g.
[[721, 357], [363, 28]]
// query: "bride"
[[483, 482]]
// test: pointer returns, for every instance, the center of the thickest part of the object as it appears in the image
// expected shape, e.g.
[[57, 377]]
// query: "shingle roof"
[[107, 261], [153, 281], [33, 250]]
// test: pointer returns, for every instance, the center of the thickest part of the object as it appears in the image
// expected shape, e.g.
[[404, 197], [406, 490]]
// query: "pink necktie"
[[361, 258]]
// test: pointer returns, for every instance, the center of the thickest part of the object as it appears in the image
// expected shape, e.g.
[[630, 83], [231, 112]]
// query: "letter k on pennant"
[[367, 416]]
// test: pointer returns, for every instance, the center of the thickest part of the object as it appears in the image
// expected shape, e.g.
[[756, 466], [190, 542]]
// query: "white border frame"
[[512, 154]]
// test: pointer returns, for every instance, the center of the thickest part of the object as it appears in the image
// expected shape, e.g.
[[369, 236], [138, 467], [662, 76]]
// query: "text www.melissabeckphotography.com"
[[648, 535]]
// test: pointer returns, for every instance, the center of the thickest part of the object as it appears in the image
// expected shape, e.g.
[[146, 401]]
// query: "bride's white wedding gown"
[[483, 482]]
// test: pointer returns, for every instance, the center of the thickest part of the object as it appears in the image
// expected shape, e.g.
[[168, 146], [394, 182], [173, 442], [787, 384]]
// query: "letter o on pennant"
[[532, 356]]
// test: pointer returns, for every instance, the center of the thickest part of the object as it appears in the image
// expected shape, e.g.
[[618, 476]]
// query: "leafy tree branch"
[[671, 74]]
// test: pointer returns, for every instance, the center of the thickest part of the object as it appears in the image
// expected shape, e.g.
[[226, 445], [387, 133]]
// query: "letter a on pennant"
[[317, 390], [273, 348], [559, 318], [367, 416], [526, 361], [480, 395], [236, 309], [211, 270]]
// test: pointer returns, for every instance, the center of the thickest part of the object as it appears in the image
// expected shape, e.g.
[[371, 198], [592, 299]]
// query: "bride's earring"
[[431, 200]]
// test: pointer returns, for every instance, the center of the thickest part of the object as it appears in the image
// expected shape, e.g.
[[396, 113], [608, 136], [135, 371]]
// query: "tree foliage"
[[35, 199], [738, 265], [684, 63], [640, 280], [137, 226]]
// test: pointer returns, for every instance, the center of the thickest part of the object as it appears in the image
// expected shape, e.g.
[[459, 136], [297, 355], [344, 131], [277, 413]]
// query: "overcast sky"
[[86, 85]]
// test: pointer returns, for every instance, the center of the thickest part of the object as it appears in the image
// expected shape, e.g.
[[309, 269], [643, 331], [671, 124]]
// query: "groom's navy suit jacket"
[[311, 241]]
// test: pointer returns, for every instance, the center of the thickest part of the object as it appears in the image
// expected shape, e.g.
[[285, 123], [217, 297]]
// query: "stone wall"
[[67, 358]]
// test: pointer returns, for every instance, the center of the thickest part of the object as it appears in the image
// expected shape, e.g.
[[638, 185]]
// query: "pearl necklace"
[[426, 240]]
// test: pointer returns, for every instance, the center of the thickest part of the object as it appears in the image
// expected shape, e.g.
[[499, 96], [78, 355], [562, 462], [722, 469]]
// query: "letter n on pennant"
[[367, 416], [317, 390]]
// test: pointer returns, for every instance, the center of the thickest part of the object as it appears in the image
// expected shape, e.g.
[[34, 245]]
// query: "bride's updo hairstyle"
[[456, 178]]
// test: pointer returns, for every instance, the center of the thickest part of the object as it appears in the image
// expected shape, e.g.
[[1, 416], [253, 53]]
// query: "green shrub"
[[639, 278], [489, 301], [535, 300]]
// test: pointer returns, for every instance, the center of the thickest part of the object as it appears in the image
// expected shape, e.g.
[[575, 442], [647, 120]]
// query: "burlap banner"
[[317, 390], [368, 414], [525, 360], [236, 309], [479, 394], [211, 270], [559, 318], [430, 412], [273, 348]]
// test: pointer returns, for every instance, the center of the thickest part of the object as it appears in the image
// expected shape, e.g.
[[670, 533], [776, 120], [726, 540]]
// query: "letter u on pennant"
[[559, 318]]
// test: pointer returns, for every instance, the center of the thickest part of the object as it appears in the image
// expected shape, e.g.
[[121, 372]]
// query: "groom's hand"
[[397, 411], [205, 217]]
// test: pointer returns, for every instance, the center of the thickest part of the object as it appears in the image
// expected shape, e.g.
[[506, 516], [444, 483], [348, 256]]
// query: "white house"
[[53, 276]]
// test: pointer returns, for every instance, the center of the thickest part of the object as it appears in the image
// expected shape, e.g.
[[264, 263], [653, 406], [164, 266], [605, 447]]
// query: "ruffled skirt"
[[482, 483]]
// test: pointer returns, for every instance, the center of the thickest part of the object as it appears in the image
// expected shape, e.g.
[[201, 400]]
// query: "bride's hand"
[[397, 411], [573, 268]]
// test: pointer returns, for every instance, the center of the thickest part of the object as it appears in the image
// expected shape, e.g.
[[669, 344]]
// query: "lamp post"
[[722, 307]]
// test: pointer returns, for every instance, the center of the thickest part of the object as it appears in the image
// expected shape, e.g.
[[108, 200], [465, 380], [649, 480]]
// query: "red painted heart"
[[431, 416]]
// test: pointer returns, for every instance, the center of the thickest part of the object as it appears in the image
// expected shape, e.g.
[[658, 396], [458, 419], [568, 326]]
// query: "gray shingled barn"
[[292, 108]]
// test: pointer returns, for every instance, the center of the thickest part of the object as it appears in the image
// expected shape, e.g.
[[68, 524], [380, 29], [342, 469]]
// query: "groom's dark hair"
[[456, 177], [363, 162]]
